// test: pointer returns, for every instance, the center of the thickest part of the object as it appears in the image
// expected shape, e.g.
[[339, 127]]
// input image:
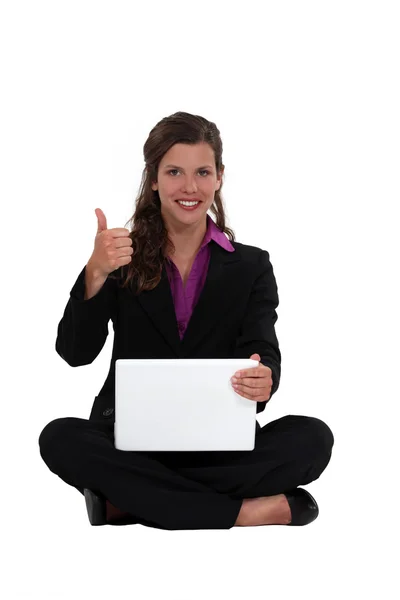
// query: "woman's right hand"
[[112, 247]]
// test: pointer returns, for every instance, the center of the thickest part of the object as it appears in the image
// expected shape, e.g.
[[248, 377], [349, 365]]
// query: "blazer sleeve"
[[257, 333], [83, 329]]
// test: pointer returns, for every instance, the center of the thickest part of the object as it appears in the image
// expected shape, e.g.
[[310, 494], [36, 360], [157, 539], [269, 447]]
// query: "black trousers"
[[186, 490]]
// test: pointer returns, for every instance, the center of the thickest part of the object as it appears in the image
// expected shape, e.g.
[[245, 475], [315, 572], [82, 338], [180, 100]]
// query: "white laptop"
[[182, 405]]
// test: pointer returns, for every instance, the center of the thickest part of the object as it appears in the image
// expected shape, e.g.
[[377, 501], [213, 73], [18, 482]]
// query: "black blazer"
[[233, 318]]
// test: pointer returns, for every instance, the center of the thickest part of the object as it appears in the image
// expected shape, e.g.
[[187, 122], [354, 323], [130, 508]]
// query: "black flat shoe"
[[303, 506], [96, 507]]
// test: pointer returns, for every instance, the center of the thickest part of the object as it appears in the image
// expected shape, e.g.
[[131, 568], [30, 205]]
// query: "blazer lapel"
[[215, 298]]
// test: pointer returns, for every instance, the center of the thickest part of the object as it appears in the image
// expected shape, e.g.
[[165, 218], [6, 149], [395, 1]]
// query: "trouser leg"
[[289, 452], [82, 453]]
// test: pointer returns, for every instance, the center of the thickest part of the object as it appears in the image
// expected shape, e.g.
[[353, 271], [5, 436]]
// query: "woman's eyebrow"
[[176, 167]]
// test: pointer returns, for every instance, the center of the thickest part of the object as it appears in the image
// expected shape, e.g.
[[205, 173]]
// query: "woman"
[[177, 267]]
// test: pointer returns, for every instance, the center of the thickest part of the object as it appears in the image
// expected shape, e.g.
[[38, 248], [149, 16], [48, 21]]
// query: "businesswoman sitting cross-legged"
[[148, 282]]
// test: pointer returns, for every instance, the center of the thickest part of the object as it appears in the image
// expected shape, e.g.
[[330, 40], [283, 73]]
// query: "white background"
[[306, 97]]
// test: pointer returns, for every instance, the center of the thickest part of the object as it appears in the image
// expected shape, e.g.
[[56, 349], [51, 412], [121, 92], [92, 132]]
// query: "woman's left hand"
[[254, 383]]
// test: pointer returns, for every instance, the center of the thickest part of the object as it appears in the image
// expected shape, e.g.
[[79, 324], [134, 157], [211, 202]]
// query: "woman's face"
[[187, 172]]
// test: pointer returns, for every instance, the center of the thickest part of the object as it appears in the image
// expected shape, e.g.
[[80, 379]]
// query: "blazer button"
[[108, 412]]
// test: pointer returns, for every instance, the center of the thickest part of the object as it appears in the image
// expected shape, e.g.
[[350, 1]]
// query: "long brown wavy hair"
[[150, 240]]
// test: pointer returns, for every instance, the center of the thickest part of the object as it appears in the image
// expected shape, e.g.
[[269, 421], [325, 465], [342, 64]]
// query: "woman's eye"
[[201, 171]]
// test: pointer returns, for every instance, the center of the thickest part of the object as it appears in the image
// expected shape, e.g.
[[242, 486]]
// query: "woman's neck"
[[187, 244]]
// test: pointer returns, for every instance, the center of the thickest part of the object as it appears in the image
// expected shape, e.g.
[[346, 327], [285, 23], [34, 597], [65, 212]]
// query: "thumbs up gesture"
[[112, 247]]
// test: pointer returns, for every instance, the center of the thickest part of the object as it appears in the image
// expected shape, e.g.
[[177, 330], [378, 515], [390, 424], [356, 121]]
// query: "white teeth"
[[187, 203]]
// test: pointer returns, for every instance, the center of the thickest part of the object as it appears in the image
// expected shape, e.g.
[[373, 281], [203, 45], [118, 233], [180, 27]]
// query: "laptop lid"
[[182, 405]]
